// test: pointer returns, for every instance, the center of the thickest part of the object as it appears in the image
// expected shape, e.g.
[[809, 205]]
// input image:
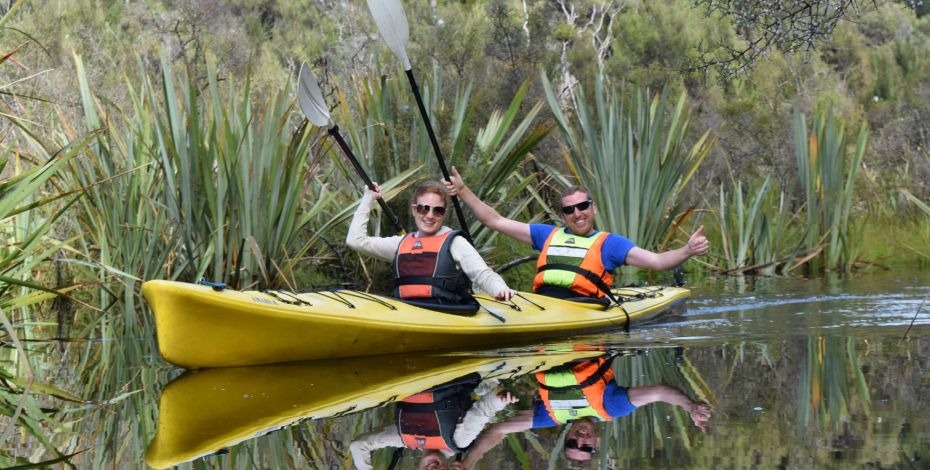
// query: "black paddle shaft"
[[334, 132], [442, 163]]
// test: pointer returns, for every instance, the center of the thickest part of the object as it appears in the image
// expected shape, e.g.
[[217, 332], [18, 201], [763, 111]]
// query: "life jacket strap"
[[594, 278], [594, 378], [444, 283]]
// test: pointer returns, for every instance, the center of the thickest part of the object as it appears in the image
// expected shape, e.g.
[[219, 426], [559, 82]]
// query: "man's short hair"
[[572, 190], [430, 186]]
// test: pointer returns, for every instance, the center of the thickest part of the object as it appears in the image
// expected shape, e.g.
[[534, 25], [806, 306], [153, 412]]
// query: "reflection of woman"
[[581, 394], [432, 264], [442, 420]]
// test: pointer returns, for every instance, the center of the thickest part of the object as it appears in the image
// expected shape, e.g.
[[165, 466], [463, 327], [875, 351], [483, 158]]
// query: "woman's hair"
[[430, 187]]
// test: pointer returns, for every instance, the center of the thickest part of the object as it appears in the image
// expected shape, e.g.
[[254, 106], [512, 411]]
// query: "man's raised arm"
[[485, 213]]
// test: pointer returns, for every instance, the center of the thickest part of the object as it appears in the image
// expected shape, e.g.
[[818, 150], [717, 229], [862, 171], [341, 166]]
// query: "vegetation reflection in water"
[[205, 412], [787, 396]]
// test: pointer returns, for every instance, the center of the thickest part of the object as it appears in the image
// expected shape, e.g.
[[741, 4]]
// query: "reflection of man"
[[442, 420], [581, 394]]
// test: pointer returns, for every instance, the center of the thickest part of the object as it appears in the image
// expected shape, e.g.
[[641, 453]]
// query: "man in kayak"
[[581, 394], [432, 264], [442, 420], [576, 260]]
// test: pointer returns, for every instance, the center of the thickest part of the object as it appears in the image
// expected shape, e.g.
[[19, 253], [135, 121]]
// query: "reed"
[[827, 171], [632, 156], [755, 234]]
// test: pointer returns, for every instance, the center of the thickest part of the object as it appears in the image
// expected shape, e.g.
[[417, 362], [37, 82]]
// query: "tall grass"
[[32, 200], [828, 172], [756, 235], [26, 220], [632, 155]]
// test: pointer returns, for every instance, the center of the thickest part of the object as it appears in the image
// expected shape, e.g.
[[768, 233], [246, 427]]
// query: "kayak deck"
[[201, 327]]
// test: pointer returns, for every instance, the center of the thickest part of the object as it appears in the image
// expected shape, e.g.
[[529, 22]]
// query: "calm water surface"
[[799, 373]]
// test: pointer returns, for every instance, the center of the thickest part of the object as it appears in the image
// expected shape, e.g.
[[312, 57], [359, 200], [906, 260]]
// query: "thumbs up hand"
[[698, 244]]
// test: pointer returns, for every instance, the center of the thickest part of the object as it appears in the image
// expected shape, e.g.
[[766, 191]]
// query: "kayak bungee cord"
[[368, 297], [335, 296], [280, 294], [540, 307]]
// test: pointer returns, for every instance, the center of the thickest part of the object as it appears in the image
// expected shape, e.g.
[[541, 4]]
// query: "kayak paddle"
[[392, 23], [310, 98]]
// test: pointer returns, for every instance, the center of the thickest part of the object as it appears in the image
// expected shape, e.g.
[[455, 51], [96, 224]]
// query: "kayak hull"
[[201, 327]]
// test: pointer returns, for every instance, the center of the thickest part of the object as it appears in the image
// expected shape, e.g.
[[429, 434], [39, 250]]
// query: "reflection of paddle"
[[314, 107], [392, 23]]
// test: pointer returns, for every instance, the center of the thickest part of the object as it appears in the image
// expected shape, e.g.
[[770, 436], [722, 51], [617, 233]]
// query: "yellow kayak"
[[201, 327], [205, 411]]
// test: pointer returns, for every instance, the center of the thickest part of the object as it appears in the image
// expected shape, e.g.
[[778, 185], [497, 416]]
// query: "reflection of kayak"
[[201, 327], [204, 411]]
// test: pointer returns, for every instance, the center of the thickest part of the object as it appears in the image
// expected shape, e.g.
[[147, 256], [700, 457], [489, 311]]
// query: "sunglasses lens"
[[424, 209], [573, 444], [582, 206]]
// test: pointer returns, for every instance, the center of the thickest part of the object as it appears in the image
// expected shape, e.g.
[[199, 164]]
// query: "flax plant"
[[31, 203], [828, 177], [631, 154], [738, 224], [234, 175], [754, 233], [172, 188]]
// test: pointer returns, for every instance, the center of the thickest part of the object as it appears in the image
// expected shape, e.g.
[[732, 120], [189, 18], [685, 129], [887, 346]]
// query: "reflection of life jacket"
[[428, 419], [424, 269], [573, 262], [576, 390]]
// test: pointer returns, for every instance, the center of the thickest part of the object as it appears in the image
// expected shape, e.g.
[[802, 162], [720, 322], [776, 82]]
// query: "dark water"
[[799, 373]]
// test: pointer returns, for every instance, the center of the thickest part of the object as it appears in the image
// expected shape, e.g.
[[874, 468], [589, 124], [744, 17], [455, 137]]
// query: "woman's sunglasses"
[[573, 444], [424, 209], [582, 206]]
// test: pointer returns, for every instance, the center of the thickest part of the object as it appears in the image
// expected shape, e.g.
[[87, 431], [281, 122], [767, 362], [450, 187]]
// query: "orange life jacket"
[[574, 391], [573, 262], [424, 269], [428, 419]]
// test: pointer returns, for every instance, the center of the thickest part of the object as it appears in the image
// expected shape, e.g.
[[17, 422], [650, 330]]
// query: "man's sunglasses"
[[573, 444], [424, 209], [582, 206]]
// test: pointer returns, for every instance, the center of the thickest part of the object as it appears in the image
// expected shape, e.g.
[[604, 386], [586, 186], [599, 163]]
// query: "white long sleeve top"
[[466, 257], [467, 430]]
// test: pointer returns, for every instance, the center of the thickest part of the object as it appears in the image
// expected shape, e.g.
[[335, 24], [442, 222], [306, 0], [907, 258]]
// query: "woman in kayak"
[[441, 421], [433, 264]]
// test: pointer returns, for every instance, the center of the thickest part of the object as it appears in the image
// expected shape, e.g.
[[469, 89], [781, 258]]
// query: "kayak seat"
[[465, 310]]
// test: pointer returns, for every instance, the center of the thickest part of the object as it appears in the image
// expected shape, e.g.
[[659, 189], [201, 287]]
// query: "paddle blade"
[[310, 98], [392, 23]]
